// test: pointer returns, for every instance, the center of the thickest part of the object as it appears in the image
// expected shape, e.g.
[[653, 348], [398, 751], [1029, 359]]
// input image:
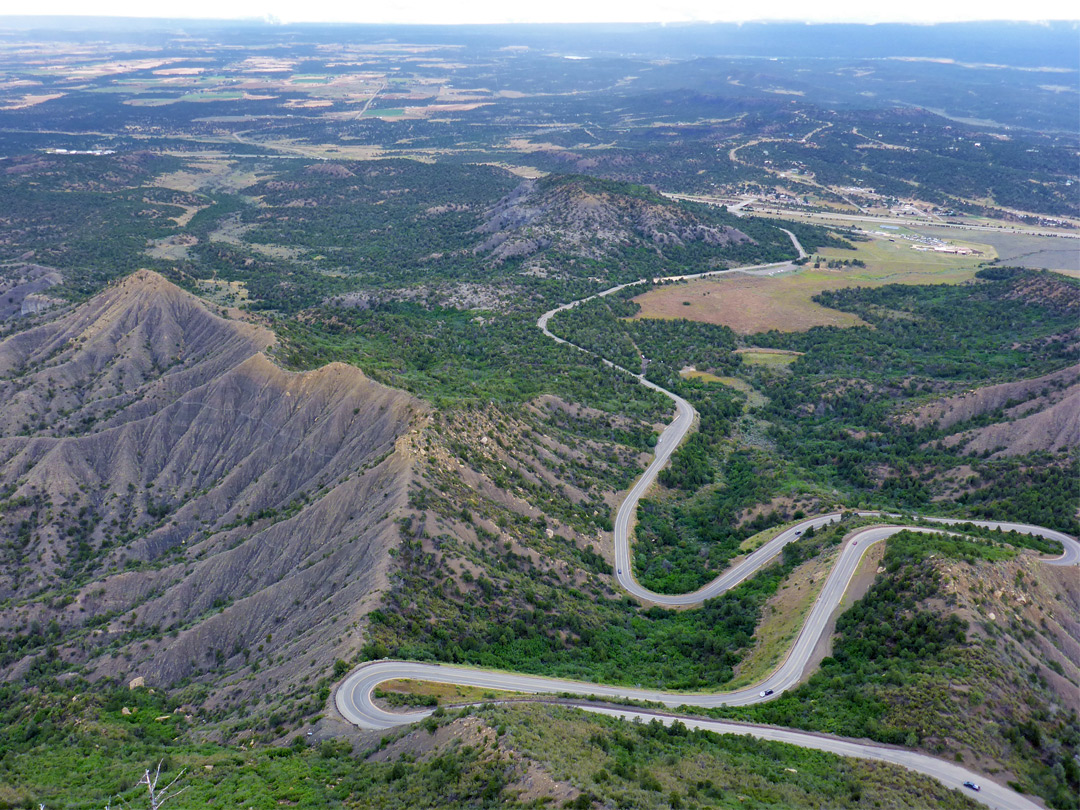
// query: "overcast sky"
[[506, 11]]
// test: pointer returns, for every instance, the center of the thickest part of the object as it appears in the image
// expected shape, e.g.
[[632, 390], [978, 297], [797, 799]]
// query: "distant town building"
[[98, 152]]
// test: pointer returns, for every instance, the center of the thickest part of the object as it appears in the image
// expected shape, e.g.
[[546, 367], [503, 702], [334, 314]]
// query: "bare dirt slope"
[[1057, 427], [195, 505], [1022, 396], [124, 354], [1025, 416]]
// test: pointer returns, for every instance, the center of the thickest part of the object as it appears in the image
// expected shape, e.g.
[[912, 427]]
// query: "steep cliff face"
[[172, 495], [1017, 699]]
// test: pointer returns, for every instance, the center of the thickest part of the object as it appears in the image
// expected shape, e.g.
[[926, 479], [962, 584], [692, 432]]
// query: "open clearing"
[[223, 293], [896, 262], [704, 376], [1027, 250], [1058, 253], [754, 398], [209, 175], [171, 248], [31, 99], [772, 358], [750, 304]]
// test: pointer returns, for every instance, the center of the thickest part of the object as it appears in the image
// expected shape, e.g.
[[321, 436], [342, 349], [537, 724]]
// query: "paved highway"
[[354, 696], [1071, 556], [948, 773]]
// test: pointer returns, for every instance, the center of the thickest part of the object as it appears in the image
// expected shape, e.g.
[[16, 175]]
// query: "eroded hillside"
[[586, 216], [1010, 418], [175, 504], [23, 289]]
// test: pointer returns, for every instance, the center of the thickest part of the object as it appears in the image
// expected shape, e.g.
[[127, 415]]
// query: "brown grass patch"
[[750, 304], [521, 171], [31, 100], [747, 304], [448, 693]]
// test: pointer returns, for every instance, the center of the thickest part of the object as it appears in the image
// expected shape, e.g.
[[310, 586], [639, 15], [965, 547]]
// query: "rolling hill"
[[590, 219]]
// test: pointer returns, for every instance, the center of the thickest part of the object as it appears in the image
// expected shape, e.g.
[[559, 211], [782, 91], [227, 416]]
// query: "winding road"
[[354, 697]]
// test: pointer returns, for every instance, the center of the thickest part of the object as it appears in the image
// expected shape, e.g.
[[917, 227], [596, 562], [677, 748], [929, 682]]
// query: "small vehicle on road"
[[766, 693], [972, 786]]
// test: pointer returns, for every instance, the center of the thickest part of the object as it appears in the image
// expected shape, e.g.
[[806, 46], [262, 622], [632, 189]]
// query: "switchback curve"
[[354, 697]]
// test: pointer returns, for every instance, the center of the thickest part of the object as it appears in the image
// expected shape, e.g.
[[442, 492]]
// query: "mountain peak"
[[139, 341]]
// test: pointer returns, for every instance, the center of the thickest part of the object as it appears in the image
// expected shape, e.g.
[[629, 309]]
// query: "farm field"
[[751, 304]]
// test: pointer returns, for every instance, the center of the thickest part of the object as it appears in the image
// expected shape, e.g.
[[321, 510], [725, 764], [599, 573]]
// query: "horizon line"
[[273, 21]]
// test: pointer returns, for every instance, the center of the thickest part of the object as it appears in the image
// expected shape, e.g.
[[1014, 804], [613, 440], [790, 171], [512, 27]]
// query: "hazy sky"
[[495, 11]]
